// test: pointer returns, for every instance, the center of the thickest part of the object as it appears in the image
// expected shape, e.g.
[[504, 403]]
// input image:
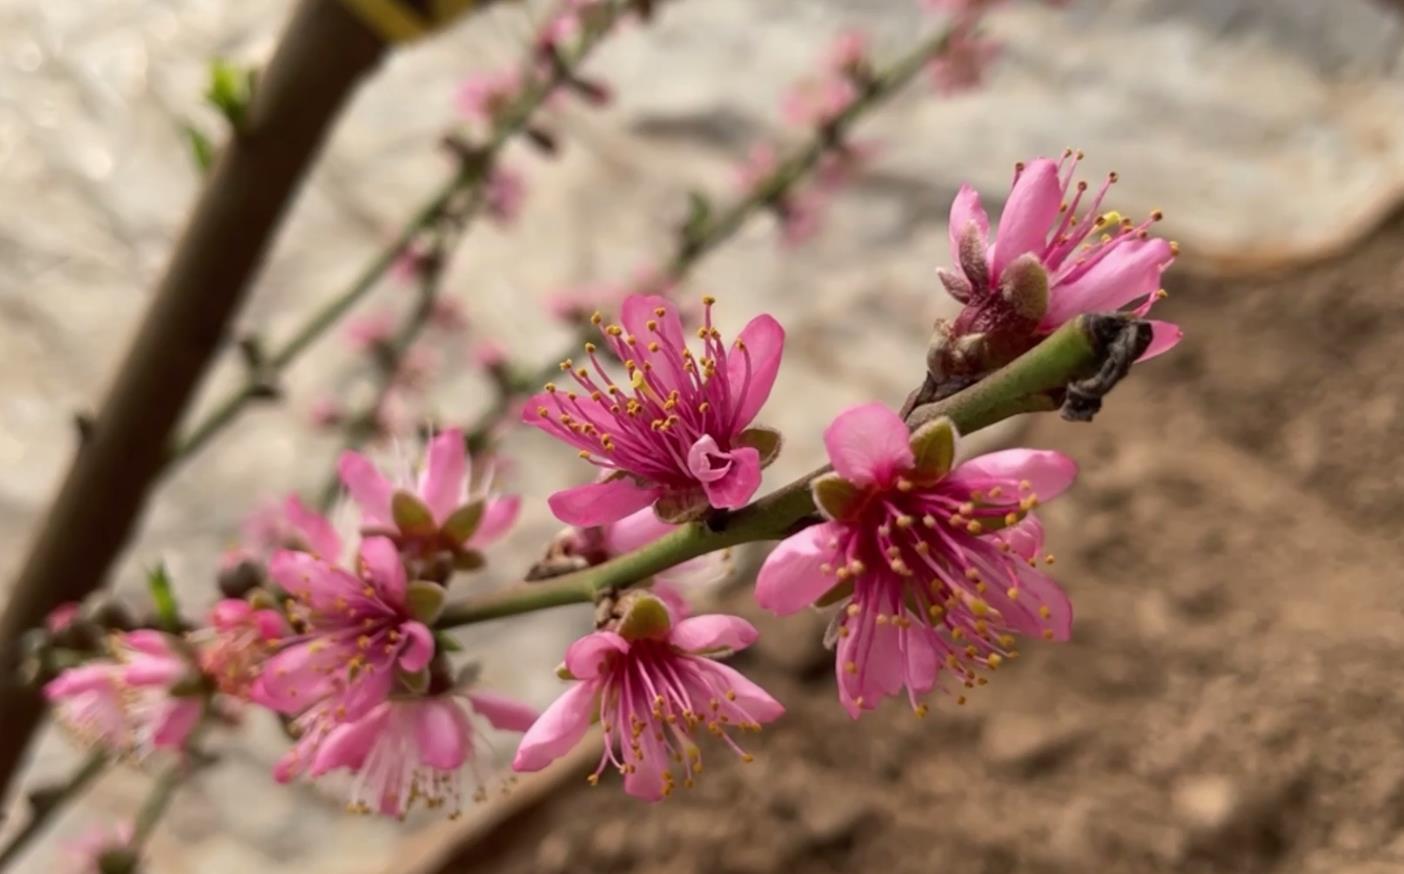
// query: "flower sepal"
[[684, 505], [412, 516], [836, 497], [766, 441], [425, 601], [644, 617], [933, 450], [463, 523]]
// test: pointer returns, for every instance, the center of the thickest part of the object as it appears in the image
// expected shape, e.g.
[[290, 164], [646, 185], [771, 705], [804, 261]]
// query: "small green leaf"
[[766, 441], [645, 617], [464, 521], [202, 151], [158, 582], [933, 446], [425, 600], [444, 642], [411, 515], [699, 215], [230, 91], [836, 497]]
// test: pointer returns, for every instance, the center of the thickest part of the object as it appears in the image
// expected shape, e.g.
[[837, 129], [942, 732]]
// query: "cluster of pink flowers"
[[934, 566]]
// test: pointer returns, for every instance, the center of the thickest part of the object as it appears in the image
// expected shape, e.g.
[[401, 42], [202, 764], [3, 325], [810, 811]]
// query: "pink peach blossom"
[[653, 684], [1093, 261], [503, 194], [935, 567], [848, 53], [366, 332], [287, 524], [326, 412], [136, 701], [61, 617], [436, 510], [963, 64], [678, 432], [236, 643], [483, 97], [358, 632], [818, 103], [413, 749]]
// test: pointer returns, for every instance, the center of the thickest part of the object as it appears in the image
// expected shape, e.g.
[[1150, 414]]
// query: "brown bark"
[[323, 53]]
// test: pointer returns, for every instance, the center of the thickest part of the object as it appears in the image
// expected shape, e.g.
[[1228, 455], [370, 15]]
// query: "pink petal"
[[502, 712], [600, 503], [586, 657], [751, 374], [1049, 473], [308, 577], [712, 631], [418, 649], [792, 577], [441, 733], [1028, 215], [380, 562], [230, 612], [154, 671], [296, 677], [174, 725], [314, 528], [757, 702], [348, 745], [147, 641], [84, 678], [1126, 274], [740, 481], [557, 730], [965, 209], [868, 445], [1025, 538], [499, 516], [371, 492], [1164, 337], [635, 530], [637, 312], [445, 474]]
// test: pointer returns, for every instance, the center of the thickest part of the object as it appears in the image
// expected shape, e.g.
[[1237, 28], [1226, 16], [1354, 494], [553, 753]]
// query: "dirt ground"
[[1230, 701]]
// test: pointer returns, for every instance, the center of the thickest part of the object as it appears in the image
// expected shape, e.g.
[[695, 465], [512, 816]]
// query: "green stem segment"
[[1028, 384]]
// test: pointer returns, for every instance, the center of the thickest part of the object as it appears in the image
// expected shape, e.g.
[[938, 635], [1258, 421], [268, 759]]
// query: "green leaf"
[[412, 517], [836, 497], [699, 215], [158, 582], [202, 151], [230, 91], [766, 441], [425, 600], [464, 521], [933, 446]]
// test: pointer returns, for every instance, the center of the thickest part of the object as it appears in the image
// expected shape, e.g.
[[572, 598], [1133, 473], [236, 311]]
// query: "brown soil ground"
[[1231, 701]]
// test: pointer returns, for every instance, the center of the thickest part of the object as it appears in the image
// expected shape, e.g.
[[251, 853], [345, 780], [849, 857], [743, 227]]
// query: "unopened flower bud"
[[237, 580]]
